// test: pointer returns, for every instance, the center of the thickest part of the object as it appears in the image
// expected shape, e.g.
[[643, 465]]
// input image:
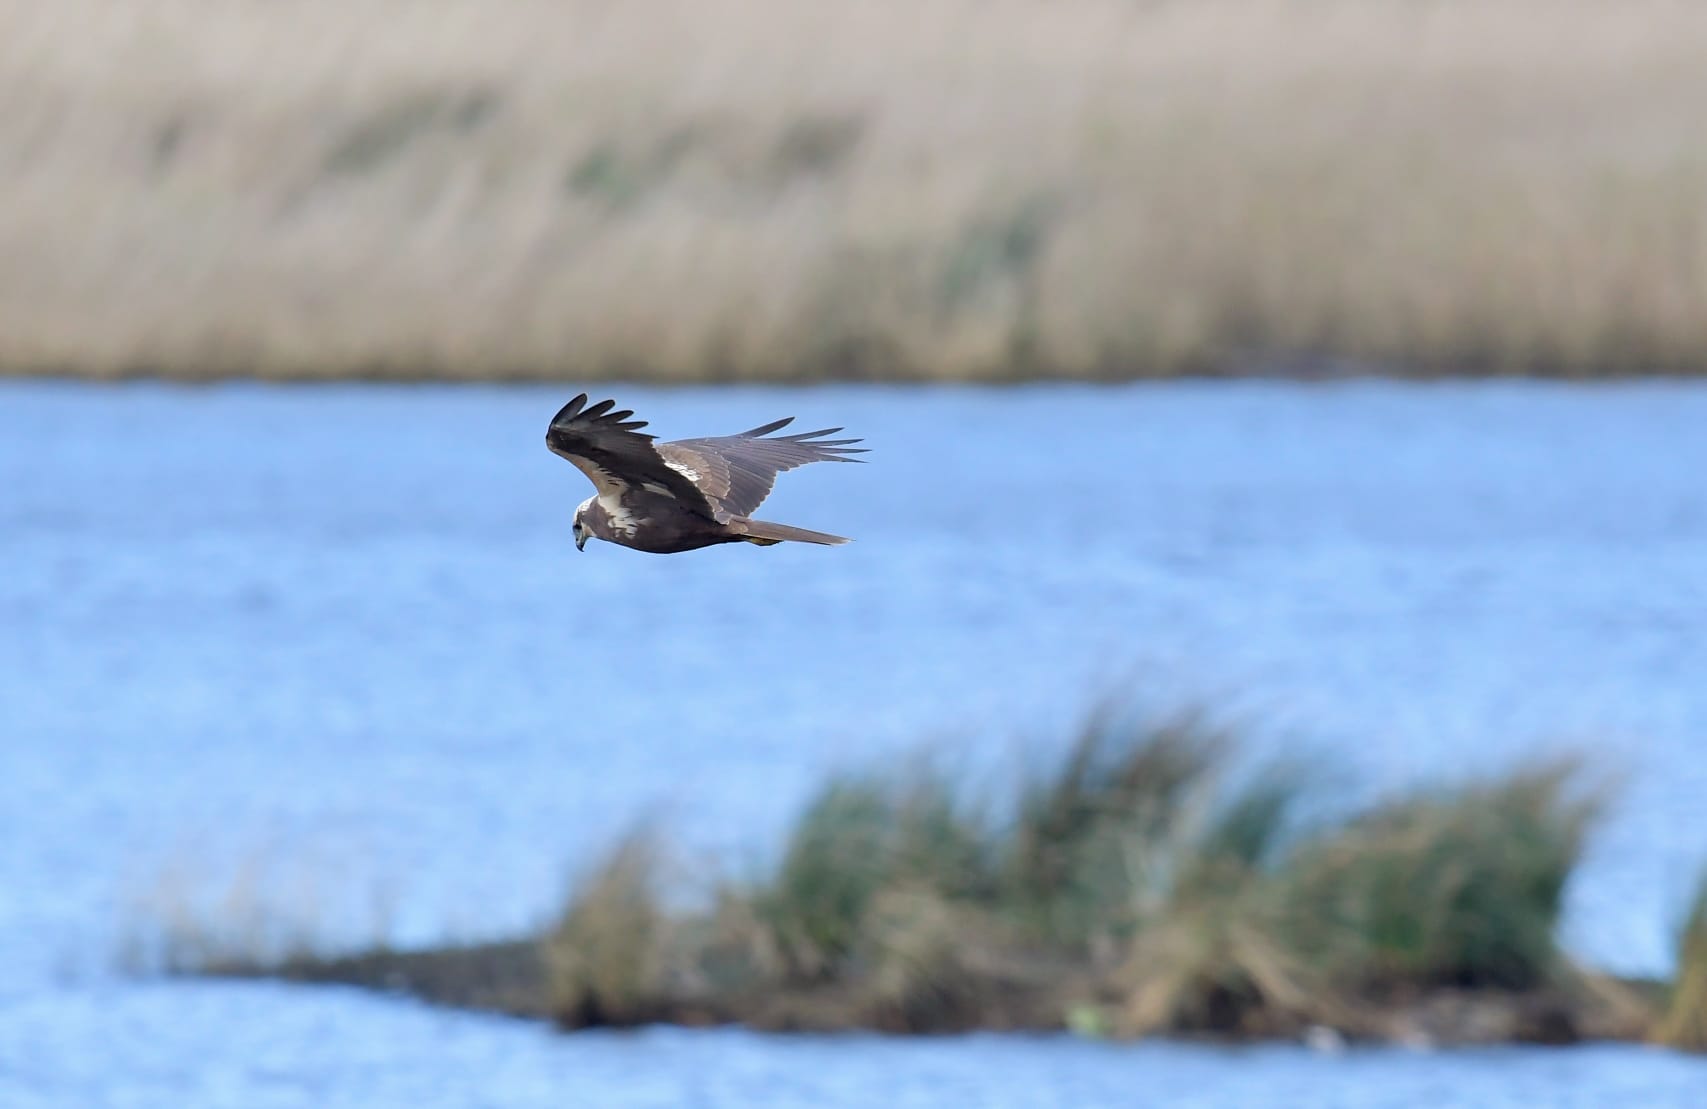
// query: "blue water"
[[331, 651]]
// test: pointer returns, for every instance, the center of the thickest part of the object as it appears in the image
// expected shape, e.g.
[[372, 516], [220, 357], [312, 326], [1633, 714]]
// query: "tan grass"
[[256, 913], [1212, 950], [605, 958], [932, 961], [1685, 1023], [691, 189]]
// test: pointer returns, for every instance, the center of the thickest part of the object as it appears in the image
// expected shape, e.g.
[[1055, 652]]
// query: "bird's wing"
[[737, 472], [620, 459]]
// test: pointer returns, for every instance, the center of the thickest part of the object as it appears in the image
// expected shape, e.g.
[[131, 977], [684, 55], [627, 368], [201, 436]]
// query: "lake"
[[328, 654]]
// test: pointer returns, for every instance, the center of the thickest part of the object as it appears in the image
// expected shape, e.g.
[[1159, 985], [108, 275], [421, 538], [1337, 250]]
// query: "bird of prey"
[[680, 496]]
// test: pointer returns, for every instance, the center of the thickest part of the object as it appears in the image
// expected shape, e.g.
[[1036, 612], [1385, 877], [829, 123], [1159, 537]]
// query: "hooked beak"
[[581, 542]]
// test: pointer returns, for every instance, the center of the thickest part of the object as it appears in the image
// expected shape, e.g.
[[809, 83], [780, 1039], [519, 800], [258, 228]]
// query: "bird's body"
[[665, 498]]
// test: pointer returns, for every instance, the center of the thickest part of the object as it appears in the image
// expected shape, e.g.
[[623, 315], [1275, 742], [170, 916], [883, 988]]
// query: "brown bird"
[[670, 497]]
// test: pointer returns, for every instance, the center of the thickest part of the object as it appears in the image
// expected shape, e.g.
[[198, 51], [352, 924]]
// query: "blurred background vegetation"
[[700, 190]]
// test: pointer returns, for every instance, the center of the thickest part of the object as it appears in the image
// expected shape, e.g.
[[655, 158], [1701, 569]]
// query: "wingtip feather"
[[570, 410], [766, 429]]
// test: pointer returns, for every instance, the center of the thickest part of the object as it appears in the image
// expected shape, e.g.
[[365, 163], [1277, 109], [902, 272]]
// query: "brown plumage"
[[691, 493]]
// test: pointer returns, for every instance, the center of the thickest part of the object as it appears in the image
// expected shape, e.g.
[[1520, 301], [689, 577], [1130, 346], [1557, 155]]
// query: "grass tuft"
[[603, 958], [838, 856], [245, 918], [1455, 887], [1685, 1023], [860, 835], [1123, 783], [1211, 952], [928, 961]]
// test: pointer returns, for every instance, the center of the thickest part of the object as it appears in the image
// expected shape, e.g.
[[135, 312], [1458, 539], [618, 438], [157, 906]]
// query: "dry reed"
[[1685, 1023], [761, 189]]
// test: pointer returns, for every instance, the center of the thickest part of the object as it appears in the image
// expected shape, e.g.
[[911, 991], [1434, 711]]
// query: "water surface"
[[336, 642]]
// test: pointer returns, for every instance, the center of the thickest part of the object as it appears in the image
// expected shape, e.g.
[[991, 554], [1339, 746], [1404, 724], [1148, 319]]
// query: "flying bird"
[[691, 493]]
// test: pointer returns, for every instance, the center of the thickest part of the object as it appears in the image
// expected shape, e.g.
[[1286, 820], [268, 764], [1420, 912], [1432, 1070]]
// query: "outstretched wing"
[[621, 460], [737, 472]]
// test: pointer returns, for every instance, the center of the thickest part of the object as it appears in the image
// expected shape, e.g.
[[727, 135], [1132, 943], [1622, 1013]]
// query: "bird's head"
[[581, 530]]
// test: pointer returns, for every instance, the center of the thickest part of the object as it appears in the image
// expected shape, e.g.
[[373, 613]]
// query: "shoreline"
[[508, 978]]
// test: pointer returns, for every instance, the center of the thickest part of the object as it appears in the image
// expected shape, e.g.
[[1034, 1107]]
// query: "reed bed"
[[723, 190]]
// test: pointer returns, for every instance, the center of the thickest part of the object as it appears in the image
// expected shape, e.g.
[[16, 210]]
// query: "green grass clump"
[[1685, 1022], [896, 884], [838, 856], [860, 836], [1149, 879], [1455, 887], [1121, 788], [1212, 950]]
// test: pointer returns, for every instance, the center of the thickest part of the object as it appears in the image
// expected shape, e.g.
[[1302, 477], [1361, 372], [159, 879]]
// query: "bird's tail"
[[765, 534]]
